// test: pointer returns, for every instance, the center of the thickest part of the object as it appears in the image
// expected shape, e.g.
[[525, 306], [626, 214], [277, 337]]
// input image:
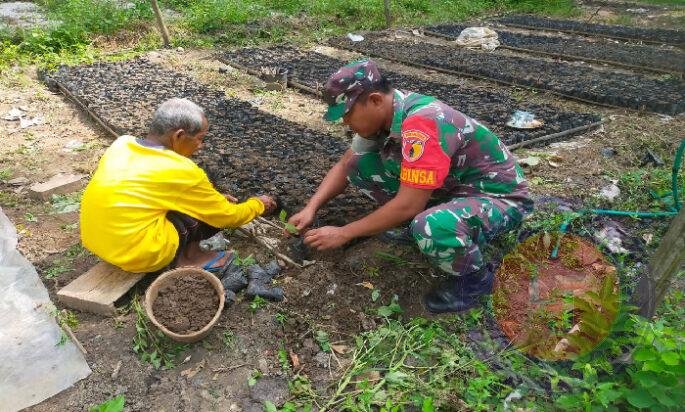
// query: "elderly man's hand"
[[269, 204], [327, 237], [230, 198]]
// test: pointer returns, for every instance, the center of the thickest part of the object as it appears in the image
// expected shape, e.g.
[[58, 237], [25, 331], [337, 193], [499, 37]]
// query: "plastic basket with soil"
[[556, 308], [185, 303]]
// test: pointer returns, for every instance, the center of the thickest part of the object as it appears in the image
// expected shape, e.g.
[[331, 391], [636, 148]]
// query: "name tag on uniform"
[[418, 176]]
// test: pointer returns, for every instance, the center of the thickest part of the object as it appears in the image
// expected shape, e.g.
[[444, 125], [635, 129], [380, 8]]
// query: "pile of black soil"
[[579, 48], [620, 32], [634, 91], [246, 151], [492, 107]]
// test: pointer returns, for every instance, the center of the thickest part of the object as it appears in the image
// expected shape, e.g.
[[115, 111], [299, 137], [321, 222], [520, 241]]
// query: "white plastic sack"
[[32, 366], [478, 37]]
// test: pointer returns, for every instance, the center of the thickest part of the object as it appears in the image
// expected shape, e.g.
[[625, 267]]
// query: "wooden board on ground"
[[96, 290]]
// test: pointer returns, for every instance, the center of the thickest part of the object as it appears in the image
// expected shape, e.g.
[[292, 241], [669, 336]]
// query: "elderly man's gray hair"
[[176, 114]]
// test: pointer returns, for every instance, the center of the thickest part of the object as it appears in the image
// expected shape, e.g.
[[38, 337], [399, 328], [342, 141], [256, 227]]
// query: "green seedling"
[[375, 295], [324, 342], [257, 303], [30, 217], [229, 339], [391, 309], [247, 261], [113, 405], [288, 226], [252, 380], [283, 359], [281, 318]]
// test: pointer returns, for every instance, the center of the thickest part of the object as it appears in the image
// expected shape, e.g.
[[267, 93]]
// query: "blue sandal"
[[208, 267]]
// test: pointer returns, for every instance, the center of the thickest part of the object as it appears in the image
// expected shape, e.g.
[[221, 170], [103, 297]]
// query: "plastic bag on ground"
[[33, 367], [478, 37]]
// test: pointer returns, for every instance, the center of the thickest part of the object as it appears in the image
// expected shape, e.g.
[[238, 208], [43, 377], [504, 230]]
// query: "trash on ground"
[[611, 238], [39, 360], [652, 158], [478, 37], [530, 161], [521, 119], [355, 37], [610, 192]]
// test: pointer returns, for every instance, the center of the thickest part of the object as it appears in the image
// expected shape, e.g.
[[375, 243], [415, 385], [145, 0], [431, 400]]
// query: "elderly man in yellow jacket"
[[148, 205]]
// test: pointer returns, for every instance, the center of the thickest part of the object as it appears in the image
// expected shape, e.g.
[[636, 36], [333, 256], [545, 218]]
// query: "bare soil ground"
[[332, 295]]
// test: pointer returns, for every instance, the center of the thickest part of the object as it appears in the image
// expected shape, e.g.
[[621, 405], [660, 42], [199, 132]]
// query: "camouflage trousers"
[[451, 234]]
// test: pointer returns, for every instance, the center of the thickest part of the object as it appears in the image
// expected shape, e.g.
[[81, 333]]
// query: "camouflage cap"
[[346, 85]]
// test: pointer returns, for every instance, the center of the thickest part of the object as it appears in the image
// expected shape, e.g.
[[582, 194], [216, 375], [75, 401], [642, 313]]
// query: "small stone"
[[180, 49], [18, 181], [610, 192], [608, 152], [263, 366]]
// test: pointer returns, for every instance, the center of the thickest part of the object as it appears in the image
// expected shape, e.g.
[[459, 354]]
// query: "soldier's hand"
[[269, 204], [302, 219], [327, 237]]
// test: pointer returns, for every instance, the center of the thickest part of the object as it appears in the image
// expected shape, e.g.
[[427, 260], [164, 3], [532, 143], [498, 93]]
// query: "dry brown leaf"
[[294, 359], [366, 284], [190, 372], [341, 349]]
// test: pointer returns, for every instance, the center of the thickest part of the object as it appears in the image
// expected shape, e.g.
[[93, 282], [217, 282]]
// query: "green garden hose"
[[674, 209]]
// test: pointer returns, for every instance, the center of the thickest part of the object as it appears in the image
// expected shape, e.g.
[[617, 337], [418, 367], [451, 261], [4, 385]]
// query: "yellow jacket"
[[123, 209]]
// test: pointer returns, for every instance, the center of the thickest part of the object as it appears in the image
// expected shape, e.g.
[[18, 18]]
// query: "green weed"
[[324, 341], [64, 318], [115, 404], [228, 339], [257, 303], [150, 344]]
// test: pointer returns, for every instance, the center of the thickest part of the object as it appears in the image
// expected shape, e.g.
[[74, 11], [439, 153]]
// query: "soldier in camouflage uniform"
[[423, 162]]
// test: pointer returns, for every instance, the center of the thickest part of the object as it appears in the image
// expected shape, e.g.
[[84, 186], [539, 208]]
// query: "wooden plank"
[[97, 289]]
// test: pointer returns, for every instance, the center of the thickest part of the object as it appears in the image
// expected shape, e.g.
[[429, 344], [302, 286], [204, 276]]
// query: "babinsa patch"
[[413, 144]]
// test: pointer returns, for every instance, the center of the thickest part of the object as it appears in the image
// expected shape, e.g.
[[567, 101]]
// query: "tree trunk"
[[388, 18], [667, 260], [160, 23]]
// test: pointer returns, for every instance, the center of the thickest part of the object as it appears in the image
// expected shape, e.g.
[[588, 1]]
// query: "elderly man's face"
[[185, 144]]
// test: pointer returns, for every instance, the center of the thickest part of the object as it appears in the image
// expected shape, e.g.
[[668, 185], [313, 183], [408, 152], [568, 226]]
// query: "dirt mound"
[[556, 308], [186, 304]]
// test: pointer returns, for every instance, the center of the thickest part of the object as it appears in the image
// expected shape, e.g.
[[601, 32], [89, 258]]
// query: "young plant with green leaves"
[[283, 216], [150, 344]]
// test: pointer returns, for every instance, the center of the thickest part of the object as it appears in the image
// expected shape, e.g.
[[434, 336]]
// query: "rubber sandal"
[[208, 267]]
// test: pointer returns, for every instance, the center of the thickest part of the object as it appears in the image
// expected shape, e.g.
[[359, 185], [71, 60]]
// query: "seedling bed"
[[632, 56], [246, 151], [308, 71], [659, 36], [573, 81]]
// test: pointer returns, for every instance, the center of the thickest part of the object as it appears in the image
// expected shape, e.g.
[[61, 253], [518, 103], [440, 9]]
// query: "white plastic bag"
[[32, 366], [478, 37]]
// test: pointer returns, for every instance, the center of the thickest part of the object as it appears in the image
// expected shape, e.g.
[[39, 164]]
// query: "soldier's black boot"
[[461, 293]]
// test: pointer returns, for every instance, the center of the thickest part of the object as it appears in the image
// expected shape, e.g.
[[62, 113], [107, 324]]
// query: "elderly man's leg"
[[451, 235], [190, 232]]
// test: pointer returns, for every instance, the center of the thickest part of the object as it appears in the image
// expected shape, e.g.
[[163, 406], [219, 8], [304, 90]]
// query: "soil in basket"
[[186, 304]]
